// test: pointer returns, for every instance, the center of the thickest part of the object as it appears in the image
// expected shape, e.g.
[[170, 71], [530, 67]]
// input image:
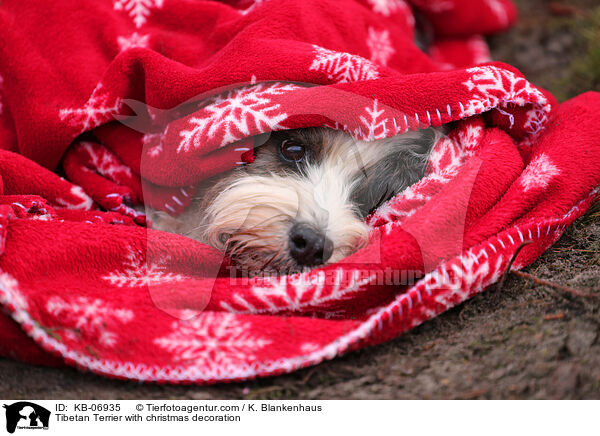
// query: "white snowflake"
[[462, 277], [536, 120], [236, 115], [85, 202], [98, 109], [388, 7], [106, 163], [152, 142], [470, 137], [298, 293], [493, 87], [213, 340], [91, 316], [445, 159], [380, 45], [138, 10], [375, 126], [10, 293], [343, 67], [538, 173], [137, 273], [132, 41]]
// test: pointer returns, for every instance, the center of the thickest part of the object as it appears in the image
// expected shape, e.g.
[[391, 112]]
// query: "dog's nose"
[[309, 246]]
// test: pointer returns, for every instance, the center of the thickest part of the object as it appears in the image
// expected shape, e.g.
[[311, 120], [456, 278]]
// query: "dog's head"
[[303, 201]]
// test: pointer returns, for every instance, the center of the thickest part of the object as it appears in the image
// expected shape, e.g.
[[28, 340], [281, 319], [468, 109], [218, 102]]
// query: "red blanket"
[[137, 101]]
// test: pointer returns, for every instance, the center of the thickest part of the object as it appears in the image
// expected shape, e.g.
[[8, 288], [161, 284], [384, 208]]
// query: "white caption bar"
[[22, 418]]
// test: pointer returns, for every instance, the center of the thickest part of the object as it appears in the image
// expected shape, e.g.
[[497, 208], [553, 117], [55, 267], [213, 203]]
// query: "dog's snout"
[[309, 246]]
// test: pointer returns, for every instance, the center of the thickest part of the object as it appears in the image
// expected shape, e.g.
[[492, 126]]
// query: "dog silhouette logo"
[[26, 415]]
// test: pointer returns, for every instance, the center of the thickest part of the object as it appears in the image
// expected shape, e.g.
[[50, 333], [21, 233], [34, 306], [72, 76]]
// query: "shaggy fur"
[[250, 211]]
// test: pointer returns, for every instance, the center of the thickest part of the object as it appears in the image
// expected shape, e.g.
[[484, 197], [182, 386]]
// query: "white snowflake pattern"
[[92, 317], [463, 278], [494, 87], [152, 142], [10, 293], [213, 340], [138, 10], [343, 67], [137, 273], [100, 107], [375, 126], [106, 163], [298, 293], [538, 173], [236, 115], [132, 41], [445, 159], [470, 137], [85, 202], [380, 45], [535, 122], [388, 7]]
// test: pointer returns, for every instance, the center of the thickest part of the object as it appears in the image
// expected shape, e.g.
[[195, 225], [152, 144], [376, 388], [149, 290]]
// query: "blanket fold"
[[115, 107]]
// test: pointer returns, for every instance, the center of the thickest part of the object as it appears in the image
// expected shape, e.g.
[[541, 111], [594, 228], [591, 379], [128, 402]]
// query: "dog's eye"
[[292, 151]]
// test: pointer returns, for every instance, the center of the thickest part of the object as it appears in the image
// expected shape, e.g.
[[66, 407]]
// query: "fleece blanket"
[[110, 104]]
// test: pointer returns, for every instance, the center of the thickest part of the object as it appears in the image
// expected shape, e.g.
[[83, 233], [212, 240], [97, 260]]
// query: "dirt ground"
[[524, 341]]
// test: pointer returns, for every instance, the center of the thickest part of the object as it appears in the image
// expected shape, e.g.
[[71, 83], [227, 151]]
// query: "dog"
[[303, 201]]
